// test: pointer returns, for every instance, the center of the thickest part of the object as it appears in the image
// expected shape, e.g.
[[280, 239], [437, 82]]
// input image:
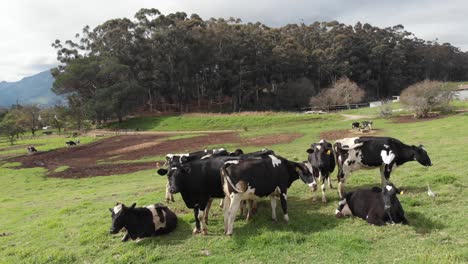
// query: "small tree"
[[425, 96], [9, 128], [345, 92]]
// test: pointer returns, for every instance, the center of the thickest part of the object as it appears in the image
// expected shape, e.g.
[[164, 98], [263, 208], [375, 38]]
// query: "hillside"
[[35, 89]]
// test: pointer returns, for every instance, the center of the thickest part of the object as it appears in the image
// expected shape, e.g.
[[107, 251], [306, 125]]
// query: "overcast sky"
[[28, 27]]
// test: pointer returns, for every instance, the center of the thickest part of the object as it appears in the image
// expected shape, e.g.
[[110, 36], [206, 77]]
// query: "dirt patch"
[[96, 159], [271, 139], [344, 133], [412, 119]]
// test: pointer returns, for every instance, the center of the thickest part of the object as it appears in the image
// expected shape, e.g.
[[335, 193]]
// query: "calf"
[[386, 153], [355, 125], [253, 178], [140, 222], [322, 162], [32, 149], [366, 125], [70, 143], [371, 205]]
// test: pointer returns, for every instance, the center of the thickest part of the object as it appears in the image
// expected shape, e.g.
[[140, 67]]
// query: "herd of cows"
[[240, 179]]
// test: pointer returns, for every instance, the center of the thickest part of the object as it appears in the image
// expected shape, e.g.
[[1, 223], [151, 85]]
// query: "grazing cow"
[[355, 125], [385, 153], [371, 205], [252, 178], [322, 162], [70, 143], [32, 149], [366, 125], [140, 222]]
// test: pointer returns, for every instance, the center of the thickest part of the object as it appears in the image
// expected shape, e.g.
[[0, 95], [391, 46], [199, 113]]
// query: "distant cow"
[[252, 178], [371, 205], [70, 143], [322, 162], [386, 153], [355, 125], [140, 222], [32, 149], [366, 125]]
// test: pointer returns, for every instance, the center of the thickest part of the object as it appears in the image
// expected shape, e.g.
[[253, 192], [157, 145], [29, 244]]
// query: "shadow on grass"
[[421, 223], [304, 217]]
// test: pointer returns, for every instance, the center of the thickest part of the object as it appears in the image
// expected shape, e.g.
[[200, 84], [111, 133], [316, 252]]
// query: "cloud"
[[28, 27]]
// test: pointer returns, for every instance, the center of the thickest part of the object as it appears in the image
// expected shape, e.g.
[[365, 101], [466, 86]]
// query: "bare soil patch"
[[344, 133], [95, 159]]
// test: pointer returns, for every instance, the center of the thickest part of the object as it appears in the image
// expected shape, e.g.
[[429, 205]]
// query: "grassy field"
[[50, 220]]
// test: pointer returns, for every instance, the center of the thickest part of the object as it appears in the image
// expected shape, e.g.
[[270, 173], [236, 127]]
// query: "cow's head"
[[321, 155], [305, 175], [389, 195], [120, 215], [421, 156], [236, 153]]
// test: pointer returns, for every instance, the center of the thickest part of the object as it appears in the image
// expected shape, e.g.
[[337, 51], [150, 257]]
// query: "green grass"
[[50, 220], [211, 122]]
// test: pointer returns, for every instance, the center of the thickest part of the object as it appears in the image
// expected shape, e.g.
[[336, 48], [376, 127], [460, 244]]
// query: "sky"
[[28, 27]]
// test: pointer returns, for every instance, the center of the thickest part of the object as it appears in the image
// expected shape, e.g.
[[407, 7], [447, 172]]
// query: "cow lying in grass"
[[141, 222], [371, 205]]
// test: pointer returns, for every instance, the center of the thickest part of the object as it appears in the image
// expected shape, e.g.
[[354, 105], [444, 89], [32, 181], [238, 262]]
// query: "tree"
[[345, 92], [9, 126], [423, 97]]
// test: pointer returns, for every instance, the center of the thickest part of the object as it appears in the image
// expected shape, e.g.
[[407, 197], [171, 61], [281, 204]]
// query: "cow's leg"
[[207, 210], [202, 217], [284, 204], [125, 237], [235, 203], [221, 204], [197, 221], [324, 198], [243, 208], [329, 182], [373, 218], [319, 176], [226, 205], [273, 206], [169, 196]]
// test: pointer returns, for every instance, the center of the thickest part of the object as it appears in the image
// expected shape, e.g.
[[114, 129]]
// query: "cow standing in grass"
[[322, 162], [371, 205], [141, 222], [386, 153], [248, 179]]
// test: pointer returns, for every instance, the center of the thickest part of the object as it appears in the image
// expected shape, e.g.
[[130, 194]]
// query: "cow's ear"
[[186, 169], [310, 151], [133, 205], [162, 172]]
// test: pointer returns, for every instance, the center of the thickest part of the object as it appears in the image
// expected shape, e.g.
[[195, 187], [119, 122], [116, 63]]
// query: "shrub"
[[425, 96], [344, 92]]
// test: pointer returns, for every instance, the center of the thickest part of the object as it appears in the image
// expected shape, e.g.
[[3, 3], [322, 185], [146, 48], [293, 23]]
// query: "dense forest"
[[176, 62]]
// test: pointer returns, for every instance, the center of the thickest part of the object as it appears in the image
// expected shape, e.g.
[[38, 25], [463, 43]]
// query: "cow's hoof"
[[324, 200], [314, 199], [196, 231], [204, 232], [274, 220], [339, 215]]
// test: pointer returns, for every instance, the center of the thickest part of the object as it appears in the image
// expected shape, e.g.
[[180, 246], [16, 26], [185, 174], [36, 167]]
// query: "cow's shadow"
[[422, 224], [304, 219]]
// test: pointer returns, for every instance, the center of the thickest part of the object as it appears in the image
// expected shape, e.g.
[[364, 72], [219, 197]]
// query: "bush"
[[386, 109], [344, 92], [426, 96]]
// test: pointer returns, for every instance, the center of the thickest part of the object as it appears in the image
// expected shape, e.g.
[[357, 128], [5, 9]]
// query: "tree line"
[[176, 62]]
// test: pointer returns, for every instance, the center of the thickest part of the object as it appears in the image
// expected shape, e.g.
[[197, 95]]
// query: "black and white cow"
[[174, 159], [32, 149], [248, 179], [70, 143], [385, 153], [370, 205], [140, 222], [355, 125], [366, 125], [322, 162]]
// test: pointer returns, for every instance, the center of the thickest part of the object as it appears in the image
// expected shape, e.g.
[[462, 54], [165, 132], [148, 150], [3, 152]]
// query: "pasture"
[[63, 219]]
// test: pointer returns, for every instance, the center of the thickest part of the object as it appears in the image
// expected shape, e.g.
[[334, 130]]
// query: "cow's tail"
[[225, 177]]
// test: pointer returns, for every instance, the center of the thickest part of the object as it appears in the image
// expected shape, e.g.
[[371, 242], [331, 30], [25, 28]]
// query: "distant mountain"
[[35, 89]]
